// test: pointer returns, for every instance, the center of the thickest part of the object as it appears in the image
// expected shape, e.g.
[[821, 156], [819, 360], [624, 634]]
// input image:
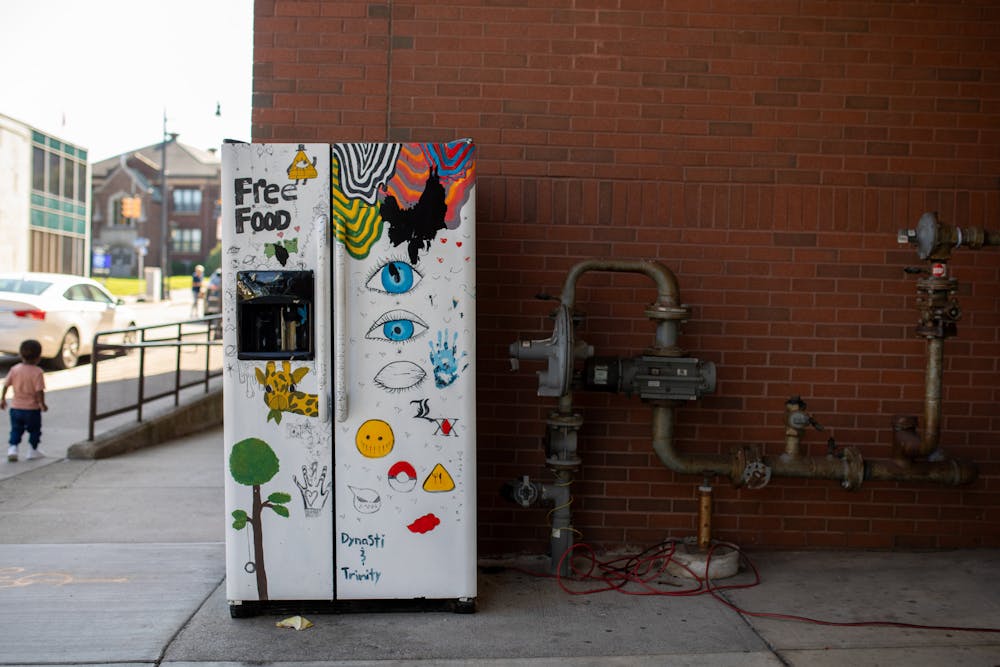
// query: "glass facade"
[[58, 206]]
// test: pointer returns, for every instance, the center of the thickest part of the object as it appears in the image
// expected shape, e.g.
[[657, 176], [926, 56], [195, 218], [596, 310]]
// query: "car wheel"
[[69, 351]]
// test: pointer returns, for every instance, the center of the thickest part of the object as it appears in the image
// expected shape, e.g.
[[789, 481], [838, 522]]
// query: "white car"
[[61, 312]]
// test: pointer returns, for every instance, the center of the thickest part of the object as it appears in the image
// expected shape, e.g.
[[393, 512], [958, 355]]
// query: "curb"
[[193, 416]]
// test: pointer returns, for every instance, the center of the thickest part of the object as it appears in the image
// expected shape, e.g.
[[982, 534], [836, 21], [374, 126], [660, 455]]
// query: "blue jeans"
[[25, 420]]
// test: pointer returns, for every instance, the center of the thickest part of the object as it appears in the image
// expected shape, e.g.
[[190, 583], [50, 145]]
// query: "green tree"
[[253, 463], [214, 259]]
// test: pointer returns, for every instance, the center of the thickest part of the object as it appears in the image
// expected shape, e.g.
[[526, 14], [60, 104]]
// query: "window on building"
[[187, 200], [185, 241], [38, 168], [55, 171], [69, 180]]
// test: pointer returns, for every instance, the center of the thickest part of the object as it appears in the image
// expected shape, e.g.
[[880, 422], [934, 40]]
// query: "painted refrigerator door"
[[404, 359], [278, 444]]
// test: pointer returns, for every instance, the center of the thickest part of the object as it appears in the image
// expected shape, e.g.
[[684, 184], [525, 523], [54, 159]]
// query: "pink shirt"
[[25, 380]]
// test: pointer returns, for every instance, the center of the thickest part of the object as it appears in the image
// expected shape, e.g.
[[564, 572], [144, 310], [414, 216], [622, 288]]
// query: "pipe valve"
[[558, 351], [935, 240], [523, 491]]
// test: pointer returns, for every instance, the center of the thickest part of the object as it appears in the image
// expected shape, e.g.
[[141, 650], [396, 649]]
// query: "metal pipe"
[[795, 422], [666, 281], [704, 516], [950, 472], [932, 398], [690, 464], [746, 469], [561, 535]]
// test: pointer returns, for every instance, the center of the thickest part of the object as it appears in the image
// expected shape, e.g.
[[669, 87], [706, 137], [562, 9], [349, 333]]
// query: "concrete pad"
[[931, 656], [72, 604], [519, 617], [674, 660], [169, 493], [949, 588]]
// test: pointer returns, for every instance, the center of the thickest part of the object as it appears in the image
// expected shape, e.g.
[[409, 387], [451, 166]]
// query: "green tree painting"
[[253, 463]]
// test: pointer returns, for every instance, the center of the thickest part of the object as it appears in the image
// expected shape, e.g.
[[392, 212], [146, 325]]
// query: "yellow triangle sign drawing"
[[439, 480], [301, 168]]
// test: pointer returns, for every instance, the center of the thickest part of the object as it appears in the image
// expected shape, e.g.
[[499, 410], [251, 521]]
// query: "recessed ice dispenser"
[[274, 314]]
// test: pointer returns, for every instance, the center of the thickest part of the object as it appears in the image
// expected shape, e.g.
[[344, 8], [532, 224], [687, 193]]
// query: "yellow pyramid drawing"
[[301, 167], [439, 480]]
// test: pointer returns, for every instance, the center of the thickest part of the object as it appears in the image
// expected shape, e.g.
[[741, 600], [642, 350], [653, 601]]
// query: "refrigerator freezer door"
[[405, 425], [278, 448]]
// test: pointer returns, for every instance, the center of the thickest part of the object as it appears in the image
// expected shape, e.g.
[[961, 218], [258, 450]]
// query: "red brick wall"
[[765, 151]]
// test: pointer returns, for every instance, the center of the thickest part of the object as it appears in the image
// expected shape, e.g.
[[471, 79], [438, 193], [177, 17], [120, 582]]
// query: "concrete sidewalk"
[[120, 560]]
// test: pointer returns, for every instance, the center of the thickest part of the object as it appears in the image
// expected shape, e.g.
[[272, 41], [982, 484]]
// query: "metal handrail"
[[205, 326]]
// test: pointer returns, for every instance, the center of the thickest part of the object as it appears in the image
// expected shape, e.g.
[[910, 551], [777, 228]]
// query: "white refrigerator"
[[349, 374]]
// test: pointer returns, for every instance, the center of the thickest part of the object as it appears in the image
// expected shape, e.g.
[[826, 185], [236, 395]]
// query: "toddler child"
[[28, 403]]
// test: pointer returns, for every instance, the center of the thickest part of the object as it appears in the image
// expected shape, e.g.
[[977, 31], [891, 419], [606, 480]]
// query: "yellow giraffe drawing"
[[280, 394]]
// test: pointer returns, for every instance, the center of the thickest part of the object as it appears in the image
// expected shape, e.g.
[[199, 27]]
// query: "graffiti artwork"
[[439, 481], [398, 326], [253, 463], [445, 426], [280, 393], [315, 489], [446, 361], [374, 439], [400, 376], [402, 477], [386, 232], [301, 168]]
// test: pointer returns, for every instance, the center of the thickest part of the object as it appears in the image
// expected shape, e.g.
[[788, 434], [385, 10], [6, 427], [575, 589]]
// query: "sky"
[[102, 74]]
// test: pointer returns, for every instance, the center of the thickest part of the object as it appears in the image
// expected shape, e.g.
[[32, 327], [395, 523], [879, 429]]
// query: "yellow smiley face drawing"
[[374, 439]]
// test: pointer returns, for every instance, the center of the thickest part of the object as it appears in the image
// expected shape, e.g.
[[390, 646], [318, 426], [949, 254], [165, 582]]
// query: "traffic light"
[[131, 207]]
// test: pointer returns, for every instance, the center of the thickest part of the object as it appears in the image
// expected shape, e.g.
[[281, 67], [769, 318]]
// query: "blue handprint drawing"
[[445, 361]]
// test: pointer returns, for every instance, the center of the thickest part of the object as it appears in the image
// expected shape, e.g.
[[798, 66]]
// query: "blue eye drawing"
[[397, 326], [394, 277]]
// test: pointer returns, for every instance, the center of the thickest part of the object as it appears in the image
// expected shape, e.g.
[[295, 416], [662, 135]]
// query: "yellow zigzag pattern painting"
[[355, 224]]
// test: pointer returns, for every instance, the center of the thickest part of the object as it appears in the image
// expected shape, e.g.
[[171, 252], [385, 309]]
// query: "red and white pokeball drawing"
[[402, 477]]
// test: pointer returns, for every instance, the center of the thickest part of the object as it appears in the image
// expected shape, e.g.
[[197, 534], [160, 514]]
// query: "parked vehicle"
[[61, 312]]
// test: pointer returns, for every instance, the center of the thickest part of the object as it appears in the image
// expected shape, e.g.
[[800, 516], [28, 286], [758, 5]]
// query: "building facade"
[[192, 199], [767, 153], [44, 201]]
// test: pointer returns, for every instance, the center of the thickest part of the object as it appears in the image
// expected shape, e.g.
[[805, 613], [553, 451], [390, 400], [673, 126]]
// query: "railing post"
[[93, 388], [208, 351], [177, 368], [142, 374]]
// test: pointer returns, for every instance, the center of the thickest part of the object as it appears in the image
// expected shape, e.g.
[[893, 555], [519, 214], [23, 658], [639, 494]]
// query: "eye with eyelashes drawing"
[[397, 326], [394, 276]]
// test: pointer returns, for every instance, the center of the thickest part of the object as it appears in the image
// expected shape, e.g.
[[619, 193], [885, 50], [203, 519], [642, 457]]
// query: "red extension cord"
[[639, 574]]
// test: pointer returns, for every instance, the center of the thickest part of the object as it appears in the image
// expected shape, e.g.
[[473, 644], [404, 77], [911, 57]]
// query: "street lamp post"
[[164, 241]]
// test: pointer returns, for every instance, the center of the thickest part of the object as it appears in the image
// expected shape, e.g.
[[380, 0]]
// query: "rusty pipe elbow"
[[689, 464], [906, 442]]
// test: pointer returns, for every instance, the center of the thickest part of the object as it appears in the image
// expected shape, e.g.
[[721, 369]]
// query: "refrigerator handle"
[[339, 331], [321, 305]]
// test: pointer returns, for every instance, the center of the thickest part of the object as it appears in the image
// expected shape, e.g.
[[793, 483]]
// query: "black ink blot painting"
[[416, 226]]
